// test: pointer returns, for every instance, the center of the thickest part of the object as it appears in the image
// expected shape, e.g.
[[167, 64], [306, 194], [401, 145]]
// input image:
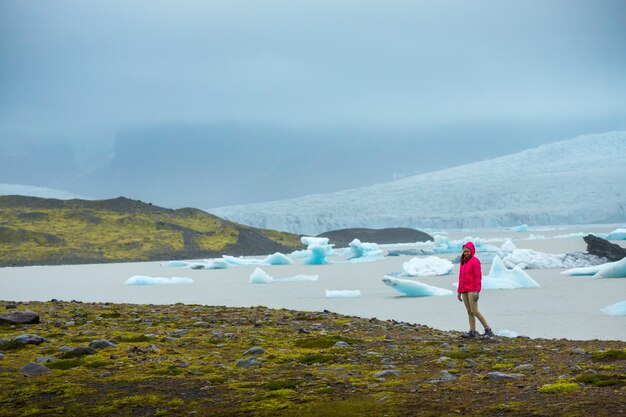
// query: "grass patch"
[[609, 355], [137, 338], [311, 358], [559, 387], [601, 380], [65, 364], [277, 385]]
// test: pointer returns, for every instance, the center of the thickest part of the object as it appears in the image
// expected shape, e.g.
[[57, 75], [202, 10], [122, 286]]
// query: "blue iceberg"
[[500, 277], [343, 293], [617, 309], [414, 288], [608, 270]]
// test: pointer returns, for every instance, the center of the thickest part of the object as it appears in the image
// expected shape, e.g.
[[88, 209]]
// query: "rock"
[[104, 374], [179, 333], [247, 363], [445, 346], [10, 306], [578, 351], [604, 249], [64, 349], [101, 344], [20, 317], [29, 339], [1, 355], [498, 376], [445, 377], [46, 359], [254, 351], [34, 369], [180, 365], [524, 367], [342, 344], [4, 342], [387, 372], [78, 352]]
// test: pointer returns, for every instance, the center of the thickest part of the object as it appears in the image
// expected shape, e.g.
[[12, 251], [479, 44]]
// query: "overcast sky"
[[82, 71]]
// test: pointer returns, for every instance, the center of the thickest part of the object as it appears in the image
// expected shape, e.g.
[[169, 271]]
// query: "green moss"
[[601, 380], [559, 387], [353, 407], [609, 355], [311, 358], [500, 366], [277, 385], [137, 338], [322, 342], [65, 364]]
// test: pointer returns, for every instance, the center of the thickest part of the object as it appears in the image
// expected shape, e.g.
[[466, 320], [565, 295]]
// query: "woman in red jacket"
[[470, 277]]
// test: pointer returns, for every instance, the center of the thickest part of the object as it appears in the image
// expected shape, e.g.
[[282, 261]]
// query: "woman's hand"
[[458, 295], [476, 296]]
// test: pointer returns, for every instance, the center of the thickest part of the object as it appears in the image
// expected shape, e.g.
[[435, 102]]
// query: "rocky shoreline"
[[122, 359]]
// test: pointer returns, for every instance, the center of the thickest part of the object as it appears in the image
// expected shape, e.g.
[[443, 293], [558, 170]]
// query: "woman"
[[470, 277]]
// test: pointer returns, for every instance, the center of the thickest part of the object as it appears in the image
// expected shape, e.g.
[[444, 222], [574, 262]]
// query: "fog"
[[208, 103]]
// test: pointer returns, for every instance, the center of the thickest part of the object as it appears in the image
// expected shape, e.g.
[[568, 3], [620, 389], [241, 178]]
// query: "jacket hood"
[[470, 246]]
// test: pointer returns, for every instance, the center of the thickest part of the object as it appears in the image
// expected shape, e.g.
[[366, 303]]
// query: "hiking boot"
[[470, 335], [488, 333]]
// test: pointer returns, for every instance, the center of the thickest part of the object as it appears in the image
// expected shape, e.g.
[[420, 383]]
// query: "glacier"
[[145, 280], [41, 192], [607, 270], [617, 309], [414, 288], [550, 187]]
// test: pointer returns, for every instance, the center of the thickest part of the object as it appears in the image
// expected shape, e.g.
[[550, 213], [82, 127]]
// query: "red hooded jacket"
[[470, 274]]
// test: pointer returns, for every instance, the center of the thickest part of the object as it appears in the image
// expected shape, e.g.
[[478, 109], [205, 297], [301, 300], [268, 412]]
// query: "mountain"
[[36, 231], [576, 181]]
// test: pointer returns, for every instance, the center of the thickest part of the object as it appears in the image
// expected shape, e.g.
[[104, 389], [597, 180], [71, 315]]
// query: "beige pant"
[[472, 310]]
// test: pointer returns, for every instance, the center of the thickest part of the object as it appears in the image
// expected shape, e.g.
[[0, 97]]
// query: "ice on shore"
[[500, 277], [365, 251], [317, 250], [343, 293], [520, 228], [617, 309], [259, 276], [608, 270], [414, 288], [145, 280], [424, 267]]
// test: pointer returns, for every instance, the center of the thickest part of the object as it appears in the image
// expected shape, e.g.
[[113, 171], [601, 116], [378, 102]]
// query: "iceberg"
[[423, 267], [520, 228], [241, 260], [206, 264], [318, 249], [259, 276], [176, 264], [617, 309], [365, 251], [414, 288], [500, 277], [343, 293], [532, 259], [144, 280], [608, 270], [617, 234], [277, 259]]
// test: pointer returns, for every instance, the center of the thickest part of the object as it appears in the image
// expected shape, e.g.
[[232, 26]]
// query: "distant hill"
[[342, 238], [576, 181], [37, 231]]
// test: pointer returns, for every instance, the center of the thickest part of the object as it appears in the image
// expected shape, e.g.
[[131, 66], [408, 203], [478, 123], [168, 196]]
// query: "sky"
[[80, 80]]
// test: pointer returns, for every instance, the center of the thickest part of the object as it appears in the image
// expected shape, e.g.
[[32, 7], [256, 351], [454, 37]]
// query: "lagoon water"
[[564, 307]]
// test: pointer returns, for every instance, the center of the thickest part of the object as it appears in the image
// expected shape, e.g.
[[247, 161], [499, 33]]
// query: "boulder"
[[604, 249], [20, 317], [101, 344], [254, 351], [78, 352], [29, 339], [34, 369]]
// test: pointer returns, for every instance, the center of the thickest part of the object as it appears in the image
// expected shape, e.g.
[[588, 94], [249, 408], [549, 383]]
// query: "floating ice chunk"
[[318, 249], [144, 280], [536, 237], [210, 264], [365, 251], [617, 309], [608, 270], [299, 277], [176, 264], [424, 267], [502, 278], [617, 234], [571, 235], [241, 260], [520, 228], [414, 288], [259, 276], [506, 333], [277, 259], [343, 293]]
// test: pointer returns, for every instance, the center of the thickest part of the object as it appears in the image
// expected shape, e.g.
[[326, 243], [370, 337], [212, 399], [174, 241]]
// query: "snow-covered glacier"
[[42, 192], [576, 181]]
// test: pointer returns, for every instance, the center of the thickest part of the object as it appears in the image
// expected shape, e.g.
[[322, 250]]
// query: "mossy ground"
[[43, 231], [179, 359]]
